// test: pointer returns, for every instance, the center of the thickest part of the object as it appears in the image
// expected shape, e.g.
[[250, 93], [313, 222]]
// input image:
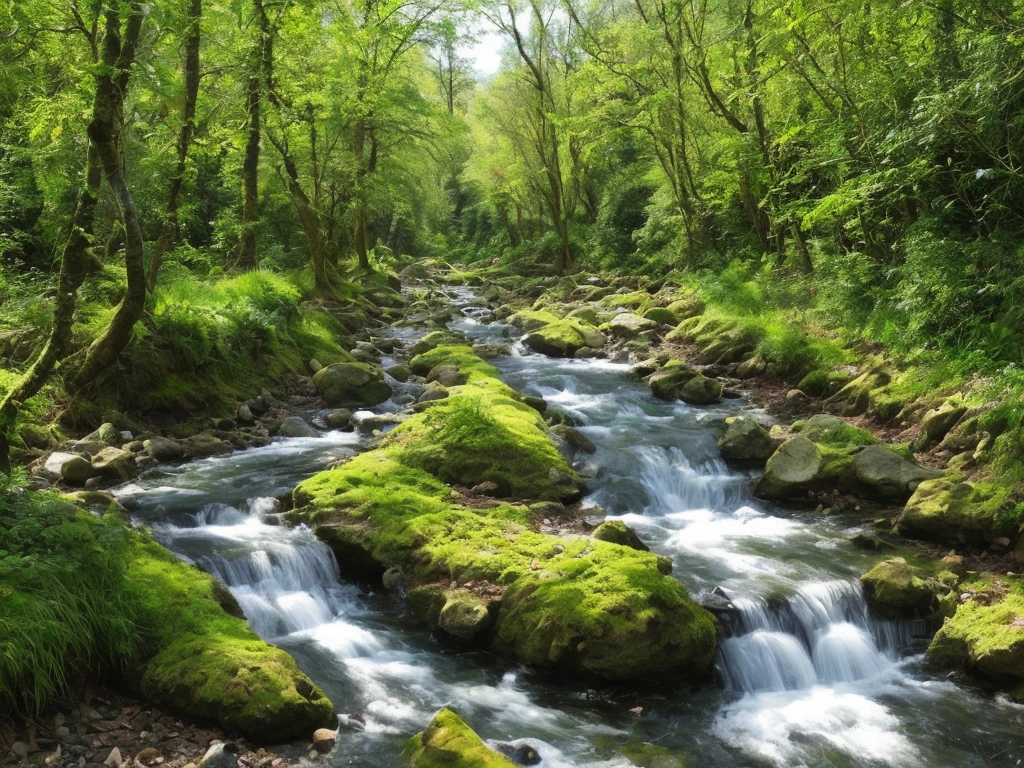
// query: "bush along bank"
[[473, 564], [88, 599], [932, 452]]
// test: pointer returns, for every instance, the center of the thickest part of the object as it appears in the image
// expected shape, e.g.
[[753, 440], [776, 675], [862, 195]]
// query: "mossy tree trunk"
[[169, 231], [106, 133], [307, 216], [74, 265]]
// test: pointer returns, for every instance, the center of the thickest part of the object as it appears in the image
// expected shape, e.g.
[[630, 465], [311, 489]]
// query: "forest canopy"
[[859, 160]]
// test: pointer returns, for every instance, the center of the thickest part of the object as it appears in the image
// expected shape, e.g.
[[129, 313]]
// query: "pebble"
[[114, 758], [20, 748]]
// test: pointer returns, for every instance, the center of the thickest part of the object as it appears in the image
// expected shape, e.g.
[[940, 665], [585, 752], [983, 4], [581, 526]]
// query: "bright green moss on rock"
[[986, 635], [833, 431], [947, 511], [210, 664], [896, 589], [94, 598], [449, 743], [531, 319], [589, 607], [564, 338]]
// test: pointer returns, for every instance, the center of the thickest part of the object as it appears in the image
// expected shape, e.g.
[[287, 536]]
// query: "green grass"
[[84, 598]]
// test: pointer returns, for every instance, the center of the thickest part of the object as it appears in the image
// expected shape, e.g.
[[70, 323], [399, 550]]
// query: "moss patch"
[[590, 607], [89, 597], [449, 743], [986, 634]]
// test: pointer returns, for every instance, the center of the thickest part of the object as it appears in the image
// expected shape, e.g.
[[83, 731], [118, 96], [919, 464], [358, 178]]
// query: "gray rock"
[[244, 414], [574, 438], [626, 325], [795, 464], [204, 444], [163, 449], [217, 756], [745, 440], [394, 580], [296, 426], [20, 748], [889, 475], [339, 418], [433, 392]]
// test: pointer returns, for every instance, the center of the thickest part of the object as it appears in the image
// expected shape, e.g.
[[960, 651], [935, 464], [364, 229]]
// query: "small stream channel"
[[807, 676]]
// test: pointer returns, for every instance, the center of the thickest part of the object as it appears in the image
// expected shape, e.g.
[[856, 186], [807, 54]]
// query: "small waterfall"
[[673, 482], [822, 634]]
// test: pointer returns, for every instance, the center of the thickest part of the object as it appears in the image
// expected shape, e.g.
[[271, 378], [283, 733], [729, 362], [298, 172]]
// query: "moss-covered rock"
[[801, 465], [745, 440], [666, 382], [584, 606], [985, 637], [564, 338], [626, 325], [855, 398], [617, 532], [464, 616], [700, 390], [896, 589], [351, 384], [211, 665], [661, 316], [449, 743], [937, 422], [532, 319], [947, 511]]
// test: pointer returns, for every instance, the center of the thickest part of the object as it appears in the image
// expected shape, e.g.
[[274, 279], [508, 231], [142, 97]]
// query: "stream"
[[806, 676]]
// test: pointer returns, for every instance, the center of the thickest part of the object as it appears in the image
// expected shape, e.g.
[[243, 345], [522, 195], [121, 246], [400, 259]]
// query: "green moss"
[[461, 356], [591, 607], [948, 511], [90, 597], [661, 315], [531, 319], [834, 432], [637, 301], [449, 743], [897, 589], [987, 639], [563, 338], [210, 664]]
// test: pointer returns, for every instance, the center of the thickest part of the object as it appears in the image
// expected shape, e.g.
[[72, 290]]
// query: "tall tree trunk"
[[169, 231], [106, 132], [250, 169], [74, 265], [308, 217]]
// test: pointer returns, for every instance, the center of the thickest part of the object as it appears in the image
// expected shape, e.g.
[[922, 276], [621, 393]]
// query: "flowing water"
[[807, 676]]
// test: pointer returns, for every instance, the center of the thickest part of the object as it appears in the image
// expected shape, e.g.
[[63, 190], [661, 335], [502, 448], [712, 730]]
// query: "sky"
[[485, 53]]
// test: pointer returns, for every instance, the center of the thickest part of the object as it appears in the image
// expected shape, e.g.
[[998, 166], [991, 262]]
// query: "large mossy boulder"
[[210, 664], [937, 422], [985, 637], [827, 454], [745, 440], [897, 590], [666, 382], [589, 607], [947, 511], [700, 390], [529, 320], [449, 743], [564, 338], [351, 385], [464, 616], [855, 398]]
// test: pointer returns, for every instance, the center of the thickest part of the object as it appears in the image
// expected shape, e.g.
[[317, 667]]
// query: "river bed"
[[806, 676]]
